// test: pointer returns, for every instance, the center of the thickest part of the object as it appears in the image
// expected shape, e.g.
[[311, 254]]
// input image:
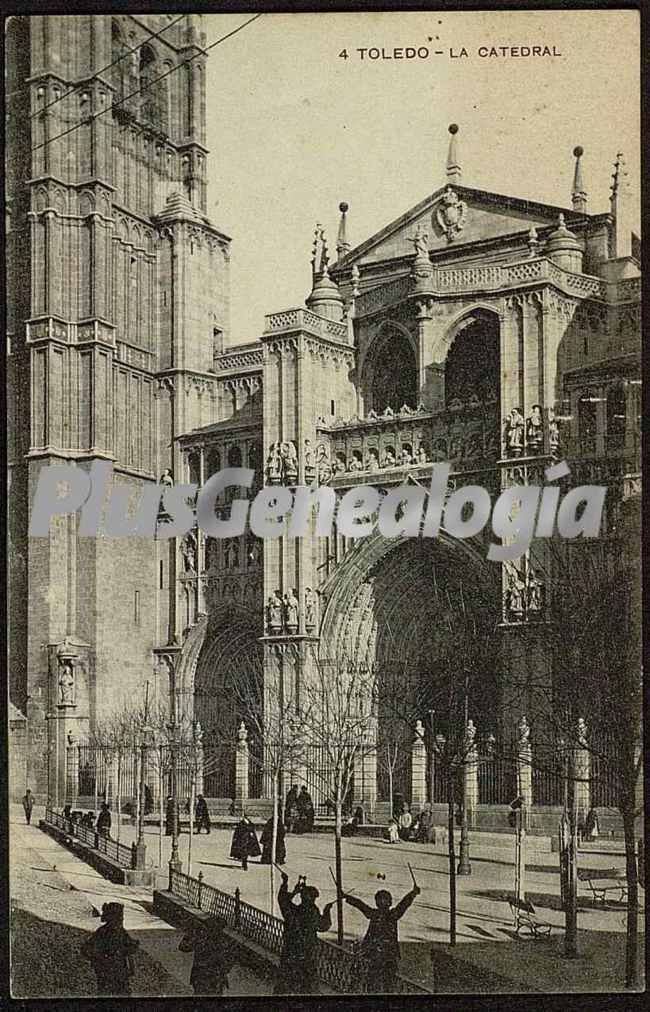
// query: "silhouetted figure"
[[424, 827], [404, 822], [244, 842], [110, 950], [291, 809], [104, 820], [267, 843], [201, 815], [213, 957], [591, 830], [88, 820], [28, 805], [380, 945], [302, 922], [148, 800], [305, 807]]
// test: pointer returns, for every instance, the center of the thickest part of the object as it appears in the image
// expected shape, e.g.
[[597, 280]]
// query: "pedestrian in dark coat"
[[267, 842], [353, 823], [302, 922], [202, 816], [244, 842], [148, 800], [110, 950], [213, 957], [28, 804], [104, 820], [291, 809], [305, 807], [380, 945]]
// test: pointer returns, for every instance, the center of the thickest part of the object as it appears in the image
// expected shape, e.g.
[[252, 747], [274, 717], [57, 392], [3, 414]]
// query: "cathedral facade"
[[498, 334]]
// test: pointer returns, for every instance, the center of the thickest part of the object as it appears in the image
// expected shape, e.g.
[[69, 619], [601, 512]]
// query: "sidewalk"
[[53, 894]]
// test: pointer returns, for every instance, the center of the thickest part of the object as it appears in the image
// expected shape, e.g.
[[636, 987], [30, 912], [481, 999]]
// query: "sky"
[[294, 128]]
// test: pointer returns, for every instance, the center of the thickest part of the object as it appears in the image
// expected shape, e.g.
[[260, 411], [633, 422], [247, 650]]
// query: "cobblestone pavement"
[[52, 898]]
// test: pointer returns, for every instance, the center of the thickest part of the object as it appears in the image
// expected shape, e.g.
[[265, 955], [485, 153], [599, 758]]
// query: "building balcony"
[[293, 320]]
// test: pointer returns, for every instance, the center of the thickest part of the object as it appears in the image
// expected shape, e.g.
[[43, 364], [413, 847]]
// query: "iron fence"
[[339, 968], [118, 852]]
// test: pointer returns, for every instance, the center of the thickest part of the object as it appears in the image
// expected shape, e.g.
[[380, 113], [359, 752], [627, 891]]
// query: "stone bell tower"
[[117, 287]]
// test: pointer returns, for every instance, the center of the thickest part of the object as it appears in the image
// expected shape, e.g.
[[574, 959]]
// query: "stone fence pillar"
[[470, 773], [418, 767], [241, 769], [582, 767]]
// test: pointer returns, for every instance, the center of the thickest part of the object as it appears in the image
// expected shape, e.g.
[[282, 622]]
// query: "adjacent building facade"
[[498, 334]]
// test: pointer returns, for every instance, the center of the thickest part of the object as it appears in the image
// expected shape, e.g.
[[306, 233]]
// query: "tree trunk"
[[160, 807], [390, 786], [571, 910], [452, 857], [119, 794], [632, 929], [338, 825], [274, 837]]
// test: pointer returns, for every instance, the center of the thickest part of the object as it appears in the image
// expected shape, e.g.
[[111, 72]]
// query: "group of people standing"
[[298, 818]]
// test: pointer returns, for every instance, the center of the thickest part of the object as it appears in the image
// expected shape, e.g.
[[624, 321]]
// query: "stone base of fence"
[[179, 913], [106, 867]]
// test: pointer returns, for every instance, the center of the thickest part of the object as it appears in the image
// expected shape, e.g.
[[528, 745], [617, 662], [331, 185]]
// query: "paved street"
[[486, 951], [53, 894]]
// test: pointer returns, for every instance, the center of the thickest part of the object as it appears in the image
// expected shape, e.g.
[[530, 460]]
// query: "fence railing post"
[[134, 856], [237, 908], [96, 843], [200, 881], [171, 870]]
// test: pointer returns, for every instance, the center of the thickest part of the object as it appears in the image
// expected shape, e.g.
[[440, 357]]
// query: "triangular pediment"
[[473, 216]]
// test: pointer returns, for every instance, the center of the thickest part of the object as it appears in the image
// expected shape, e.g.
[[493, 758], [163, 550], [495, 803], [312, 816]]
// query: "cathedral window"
[[149, 89], [118, 50], [391, 375]]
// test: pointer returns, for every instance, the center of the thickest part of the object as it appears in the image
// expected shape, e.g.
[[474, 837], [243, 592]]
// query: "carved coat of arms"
[[451, 213]]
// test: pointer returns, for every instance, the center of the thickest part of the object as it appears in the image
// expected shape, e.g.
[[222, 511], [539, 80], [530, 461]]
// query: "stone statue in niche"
[[166, 478], [242, 735], [189, 551], [470, 734], [553, 434], [310, 609], [66, 683], [289, 462], [274, 465], [535, 430], [515, 593], [323, 464], [254, 552], [274, 613], [372, 460], [231, 554], [422, 454], [310, 460], [292, 611], [71, 739], [582, 732], [523, 732], [419, 731], [514, 433], [535, 593]]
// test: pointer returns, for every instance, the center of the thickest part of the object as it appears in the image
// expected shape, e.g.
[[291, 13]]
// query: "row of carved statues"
[[283, 613], [524, 594], [454, 405], [528, 434]]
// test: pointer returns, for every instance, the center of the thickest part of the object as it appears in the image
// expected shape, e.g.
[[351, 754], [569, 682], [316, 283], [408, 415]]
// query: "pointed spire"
[[578, 194], [342, 244], [533, 242], [453, 165], [620, 208]]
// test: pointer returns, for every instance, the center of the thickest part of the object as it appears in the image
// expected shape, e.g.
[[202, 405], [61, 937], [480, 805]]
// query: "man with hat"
[[302, 922], [110, 950]]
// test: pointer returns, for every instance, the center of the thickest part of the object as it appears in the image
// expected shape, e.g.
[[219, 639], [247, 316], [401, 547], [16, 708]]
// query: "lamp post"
[[174, 861], [464, 866]]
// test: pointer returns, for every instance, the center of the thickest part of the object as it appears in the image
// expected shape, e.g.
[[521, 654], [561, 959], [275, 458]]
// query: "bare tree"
[[591, 698]]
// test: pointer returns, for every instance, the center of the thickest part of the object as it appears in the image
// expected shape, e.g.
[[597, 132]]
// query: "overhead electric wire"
[[77, 87], [138, 91]]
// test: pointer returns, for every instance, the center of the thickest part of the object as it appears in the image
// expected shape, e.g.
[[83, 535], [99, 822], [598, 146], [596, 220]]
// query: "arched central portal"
[[423, 614]]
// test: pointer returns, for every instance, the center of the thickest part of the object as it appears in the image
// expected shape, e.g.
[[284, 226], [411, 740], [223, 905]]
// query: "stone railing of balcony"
[[291, 320], [379, 449], [494, 277], [242, 356]]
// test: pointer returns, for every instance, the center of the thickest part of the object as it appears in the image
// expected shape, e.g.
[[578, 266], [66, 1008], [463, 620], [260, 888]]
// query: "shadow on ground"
[[46, 962], [550, 901]]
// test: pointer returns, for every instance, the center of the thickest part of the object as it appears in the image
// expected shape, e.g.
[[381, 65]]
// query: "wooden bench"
[[602, 881], [526, 917]]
